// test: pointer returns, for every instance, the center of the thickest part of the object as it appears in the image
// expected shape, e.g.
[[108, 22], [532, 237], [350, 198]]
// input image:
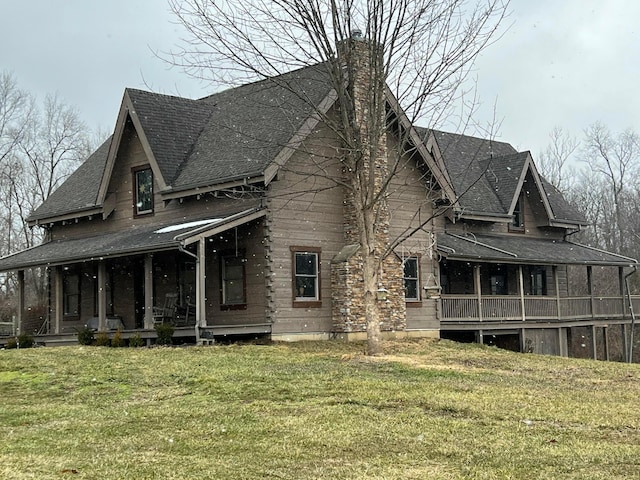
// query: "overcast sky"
[[562, 62]]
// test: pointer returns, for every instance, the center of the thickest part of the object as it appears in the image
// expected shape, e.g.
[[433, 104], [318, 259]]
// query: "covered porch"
[[511, 278], [191, 274], [531, 288]]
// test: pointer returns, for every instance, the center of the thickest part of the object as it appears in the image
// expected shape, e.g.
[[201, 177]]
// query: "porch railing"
[[507, 307]]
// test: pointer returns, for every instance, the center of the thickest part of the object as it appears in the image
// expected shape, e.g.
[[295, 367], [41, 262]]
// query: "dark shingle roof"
[[485, 174], [79, 191], [523, 249], [249, 125], [132, 240], [472, 163], [172, 125], [233, 134]]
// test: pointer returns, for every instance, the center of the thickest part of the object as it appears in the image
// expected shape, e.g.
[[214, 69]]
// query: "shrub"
[[102, 340], [165, 334], [24, 340], [85, 336], [136, 341], [117, 340]]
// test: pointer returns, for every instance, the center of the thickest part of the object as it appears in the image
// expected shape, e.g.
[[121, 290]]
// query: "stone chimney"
[[363, 62]]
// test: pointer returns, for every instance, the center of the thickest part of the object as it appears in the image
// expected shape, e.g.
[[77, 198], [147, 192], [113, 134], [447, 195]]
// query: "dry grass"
[[427, 409]]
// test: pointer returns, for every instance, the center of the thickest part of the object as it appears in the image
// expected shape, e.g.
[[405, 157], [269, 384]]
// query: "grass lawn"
[[426, 410]]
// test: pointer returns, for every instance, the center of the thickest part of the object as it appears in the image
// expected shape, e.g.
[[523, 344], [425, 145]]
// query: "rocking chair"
[[166, 313]]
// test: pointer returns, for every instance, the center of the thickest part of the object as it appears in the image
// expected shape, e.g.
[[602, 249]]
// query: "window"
[[306, 279], [71, 294], [411, 279], [517, 224], [538, 278], [233, 281], [498, 284], [143, 180]]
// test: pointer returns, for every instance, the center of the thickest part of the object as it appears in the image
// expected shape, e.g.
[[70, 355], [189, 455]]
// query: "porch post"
[[594, 342], [622, 290], [521, 291], [102, 297], [59, 296], [477, 286], [148, 291], [201, 278], [590, 285], [557, 282], [20, 317]]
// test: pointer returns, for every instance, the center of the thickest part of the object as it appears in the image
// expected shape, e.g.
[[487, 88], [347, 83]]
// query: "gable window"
[[71, 294], [306, 278], [517, 224], [143, 181], [233, 282], [411, 279]]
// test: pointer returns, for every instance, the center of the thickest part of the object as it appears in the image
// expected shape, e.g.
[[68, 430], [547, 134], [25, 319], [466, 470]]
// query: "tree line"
[[41, 143], [599, 174]]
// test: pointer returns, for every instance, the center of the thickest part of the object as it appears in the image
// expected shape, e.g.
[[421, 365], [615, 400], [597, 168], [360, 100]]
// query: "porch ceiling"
[[167, 236], [515, 249]]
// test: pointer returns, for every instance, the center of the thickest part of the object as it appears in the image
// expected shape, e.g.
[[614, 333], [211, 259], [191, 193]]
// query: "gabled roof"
[[488, 176], [198, 144], [79, 192]]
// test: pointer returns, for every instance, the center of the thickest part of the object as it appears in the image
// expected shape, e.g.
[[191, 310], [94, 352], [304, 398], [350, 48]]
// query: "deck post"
[[521, 291], [557, 282], [201, 275], [59, 296], [20, 317], [605, 334], [590, 286], [478, 289], [148, 291], [102, 296], [622, 291], [594, 342]]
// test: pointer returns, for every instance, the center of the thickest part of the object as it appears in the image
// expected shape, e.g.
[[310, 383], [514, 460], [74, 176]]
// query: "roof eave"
[[75, 215], [198, 189]]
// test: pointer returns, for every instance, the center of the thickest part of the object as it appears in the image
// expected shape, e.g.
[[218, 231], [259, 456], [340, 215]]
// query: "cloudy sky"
[[565, 63]]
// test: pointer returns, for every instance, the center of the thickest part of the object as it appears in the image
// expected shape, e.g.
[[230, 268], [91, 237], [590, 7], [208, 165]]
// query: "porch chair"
[[166, 313]]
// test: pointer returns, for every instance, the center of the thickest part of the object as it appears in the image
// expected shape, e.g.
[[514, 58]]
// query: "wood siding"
[[305, 210], [411, 206]]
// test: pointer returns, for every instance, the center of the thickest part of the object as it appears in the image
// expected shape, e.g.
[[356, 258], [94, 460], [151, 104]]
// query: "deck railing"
[[509, 307]]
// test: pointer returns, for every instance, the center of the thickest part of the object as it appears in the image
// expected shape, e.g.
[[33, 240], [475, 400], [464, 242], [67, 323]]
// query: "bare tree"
[[553, 162], [420, 50], [616, 159], [39, 148]]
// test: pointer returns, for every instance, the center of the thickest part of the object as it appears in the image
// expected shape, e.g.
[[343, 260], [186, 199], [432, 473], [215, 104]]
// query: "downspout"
[[633, 317], [182, 248]]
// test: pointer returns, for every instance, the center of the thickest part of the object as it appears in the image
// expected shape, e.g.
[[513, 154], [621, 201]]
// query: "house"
[[222, 216]]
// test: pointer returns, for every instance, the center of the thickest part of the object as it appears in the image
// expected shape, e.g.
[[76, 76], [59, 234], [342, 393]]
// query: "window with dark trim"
[[143, 191], [411, 279], [538, 281], [517, 224], [71, 293], [233, 282], [306, 276]]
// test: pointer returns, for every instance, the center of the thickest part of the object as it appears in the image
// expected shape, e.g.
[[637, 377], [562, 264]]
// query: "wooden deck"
[[472, 309]]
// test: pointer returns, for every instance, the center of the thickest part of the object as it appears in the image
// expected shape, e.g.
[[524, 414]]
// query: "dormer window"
[[143, 201], [517, 224]]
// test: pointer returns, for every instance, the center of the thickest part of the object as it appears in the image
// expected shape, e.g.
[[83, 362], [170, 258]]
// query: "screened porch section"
[[498, 292]]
